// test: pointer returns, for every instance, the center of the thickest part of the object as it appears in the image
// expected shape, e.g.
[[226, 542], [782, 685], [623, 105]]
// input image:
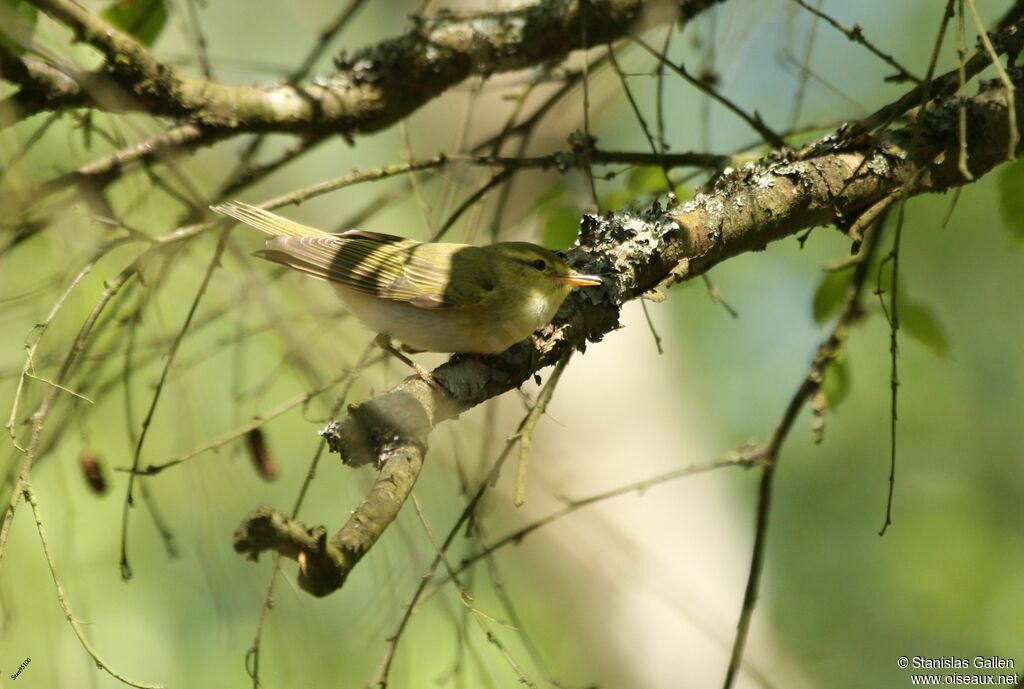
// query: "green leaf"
[[1011, 196], [921, 323], [17, 22], [550, 197], [646, 179], [836, 383], [615, 200], [829, 294], [561, 226], [143, 19], [683, 193]]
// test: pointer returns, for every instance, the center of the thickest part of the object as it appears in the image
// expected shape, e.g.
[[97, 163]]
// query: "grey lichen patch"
[[762, 178], [619, 247], [711, 208], [714, 210], [801, 172], [878, 164], [330, 434], [493, 37]]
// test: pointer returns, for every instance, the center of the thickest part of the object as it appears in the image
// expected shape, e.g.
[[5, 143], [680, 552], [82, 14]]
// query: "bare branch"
[[371, 89], [42, 88]]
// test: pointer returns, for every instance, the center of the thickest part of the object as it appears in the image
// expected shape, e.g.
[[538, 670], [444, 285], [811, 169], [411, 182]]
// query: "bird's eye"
[[539, 264]]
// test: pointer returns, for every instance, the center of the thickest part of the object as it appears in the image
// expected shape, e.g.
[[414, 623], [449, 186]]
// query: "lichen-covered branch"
[[833, 180], [836, 180], [743, 211], [373, 88]]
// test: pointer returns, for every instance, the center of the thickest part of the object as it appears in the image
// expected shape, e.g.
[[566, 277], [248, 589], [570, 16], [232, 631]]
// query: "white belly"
[[448, 330]]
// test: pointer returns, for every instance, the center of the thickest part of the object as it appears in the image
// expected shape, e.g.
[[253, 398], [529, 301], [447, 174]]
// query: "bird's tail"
[[268, 222]]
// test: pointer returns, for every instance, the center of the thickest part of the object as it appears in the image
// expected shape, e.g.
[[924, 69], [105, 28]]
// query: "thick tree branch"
[[42, 88], [834, 179], [378, 85], [324, 564], [744, 211]]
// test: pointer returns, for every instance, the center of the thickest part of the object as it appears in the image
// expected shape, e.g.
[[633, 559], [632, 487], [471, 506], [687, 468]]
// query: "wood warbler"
[[433, 297]]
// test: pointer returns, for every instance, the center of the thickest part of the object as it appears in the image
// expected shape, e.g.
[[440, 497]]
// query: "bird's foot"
[[384, 342]]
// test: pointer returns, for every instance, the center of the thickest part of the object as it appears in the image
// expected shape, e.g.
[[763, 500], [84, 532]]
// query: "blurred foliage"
[[18, 22], [1011, 196], [143, 19], [836, 384], [559, 217], [917, 320], [829, 294]]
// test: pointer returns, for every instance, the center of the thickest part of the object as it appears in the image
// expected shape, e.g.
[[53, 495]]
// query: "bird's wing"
[[382, 266], [265, 221]]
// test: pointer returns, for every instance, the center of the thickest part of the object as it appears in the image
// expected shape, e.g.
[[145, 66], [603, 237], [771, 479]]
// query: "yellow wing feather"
[[379, 265], [268, 222]]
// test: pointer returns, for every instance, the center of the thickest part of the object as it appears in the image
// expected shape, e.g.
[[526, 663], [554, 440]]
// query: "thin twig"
[[202, 53], [717, 298], [467, 600], [475, 529], [252, 655], [471, 201], [856, 34], [498, 583], [639, 116], [256, 422], [1011, 97], [801, 91], [525, 433], [961, 51], [741, 458], [380, 679], [30, 349], [521, 146], [42, 412], [659, 94], [588, 140], [754, 120], [324, 38], [129, 502], [69, 615], [650, 326], [769, 454], [893, 316]]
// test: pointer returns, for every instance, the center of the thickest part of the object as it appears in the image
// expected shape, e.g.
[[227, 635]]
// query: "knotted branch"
[[324, 564]]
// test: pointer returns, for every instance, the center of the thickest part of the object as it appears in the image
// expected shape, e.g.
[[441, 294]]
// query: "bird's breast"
[[488, 328]]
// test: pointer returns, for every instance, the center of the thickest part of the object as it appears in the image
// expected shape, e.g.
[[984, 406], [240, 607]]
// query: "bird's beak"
[[580, 280]]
